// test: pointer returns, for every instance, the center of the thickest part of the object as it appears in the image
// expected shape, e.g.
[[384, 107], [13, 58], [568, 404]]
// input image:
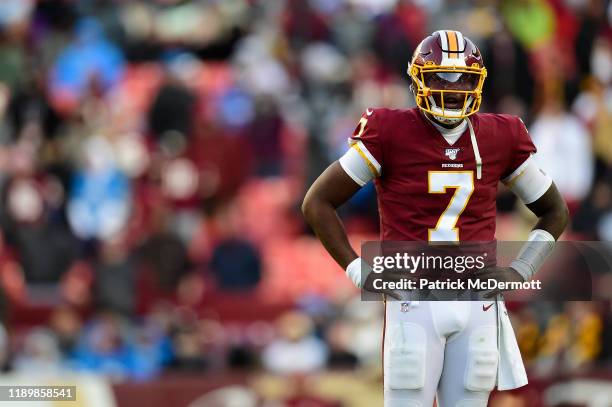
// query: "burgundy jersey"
[[428, 189]]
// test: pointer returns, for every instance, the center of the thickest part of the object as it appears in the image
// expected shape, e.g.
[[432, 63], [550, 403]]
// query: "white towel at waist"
[[510, 371]]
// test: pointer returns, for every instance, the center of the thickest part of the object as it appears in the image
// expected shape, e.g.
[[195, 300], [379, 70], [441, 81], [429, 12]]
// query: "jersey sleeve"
[[366, 140], [529, 182], [522, 148]]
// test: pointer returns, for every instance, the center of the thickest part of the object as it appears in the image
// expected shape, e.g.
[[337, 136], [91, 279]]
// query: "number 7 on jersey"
[[437, 183]]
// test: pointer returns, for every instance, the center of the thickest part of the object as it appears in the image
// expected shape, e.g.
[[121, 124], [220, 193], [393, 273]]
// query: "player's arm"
[[539, 193], [537, 190], [336, 185], [333, 188], [358, 166], [552, 212]]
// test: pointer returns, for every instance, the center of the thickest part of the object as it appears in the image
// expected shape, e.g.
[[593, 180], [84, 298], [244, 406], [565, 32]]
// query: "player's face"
[[450, 81]]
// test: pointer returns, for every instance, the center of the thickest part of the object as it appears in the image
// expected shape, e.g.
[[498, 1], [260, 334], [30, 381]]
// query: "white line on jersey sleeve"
[[356, 167], [528, 181]]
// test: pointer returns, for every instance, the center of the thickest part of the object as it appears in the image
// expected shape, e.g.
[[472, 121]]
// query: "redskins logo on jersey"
[[447, 73]]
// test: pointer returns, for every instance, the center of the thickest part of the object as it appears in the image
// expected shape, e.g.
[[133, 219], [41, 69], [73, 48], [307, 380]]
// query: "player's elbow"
[[312, 206], [562, 214], [558, 216], [309, 205]]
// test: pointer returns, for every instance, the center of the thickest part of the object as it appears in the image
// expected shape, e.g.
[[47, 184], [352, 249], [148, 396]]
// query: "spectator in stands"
[[188, 353], [103, 348], [564, 150], [163, 259], [170, 116], [532, 22], [296, 350], [510, 82], [115, 277], [594, 216], [152, 351], [265, 137], [14, 20], [44, 245], [66, 326], [338, 336], [235, 262], [90, 58], [40, 354], [236, 265], [99, 203]]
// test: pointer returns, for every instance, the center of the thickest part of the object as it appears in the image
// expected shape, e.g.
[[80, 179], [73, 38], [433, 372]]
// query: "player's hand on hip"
[[388, 276], [500, 274], [362, 276]]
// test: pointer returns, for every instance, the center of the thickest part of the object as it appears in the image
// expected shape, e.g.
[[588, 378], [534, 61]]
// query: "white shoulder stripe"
[[529, 182], [356, 168], [370, 156], [517, 171], [366, 155]]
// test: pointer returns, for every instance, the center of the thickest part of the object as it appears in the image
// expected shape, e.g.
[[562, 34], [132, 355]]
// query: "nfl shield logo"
[[451, 153], [405, 306]]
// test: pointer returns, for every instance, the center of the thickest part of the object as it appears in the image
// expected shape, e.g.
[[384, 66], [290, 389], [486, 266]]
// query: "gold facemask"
[[424, 94]]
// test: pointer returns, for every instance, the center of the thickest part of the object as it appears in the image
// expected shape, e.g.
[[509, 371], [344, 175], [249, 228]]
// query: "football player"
[[436, 169]]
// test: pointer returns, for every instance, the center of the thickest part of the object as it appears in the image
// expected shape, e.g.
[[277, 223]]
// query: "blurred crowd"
[[154, 154]]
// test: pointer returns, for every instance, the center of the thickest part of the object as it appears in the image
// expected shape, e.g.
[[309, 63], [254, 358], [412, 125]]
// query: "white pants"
[[442, 349]]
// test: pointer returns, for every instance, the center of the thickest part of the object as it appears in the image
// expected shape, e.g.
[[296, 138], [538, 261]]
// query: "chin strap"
[[475, 148]]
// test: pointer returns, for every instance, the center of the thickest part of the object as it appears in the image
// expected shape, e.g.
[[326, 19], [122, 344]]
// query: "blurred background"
[[153, 159]]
